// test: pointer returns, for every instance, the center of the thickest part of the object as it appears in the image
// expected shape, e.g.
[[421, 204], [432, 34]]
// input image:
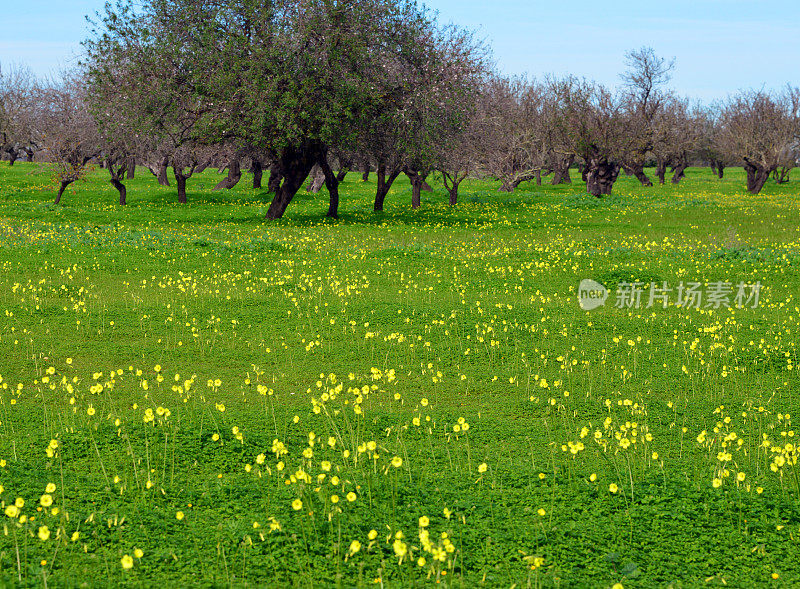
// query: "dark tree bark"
[[29, 153], [123, 192], [757, 176], [679, 169], [294, 165], [332, 184], [661, 171], [340, 175], [718, 168], [417, 181], [61, 189], [258, 173], [561, 171], [781, 174], [275, 178], [601, 175], [131, 165], [117, 169], [365, 168], [13, 155], [233, 177], [538, 175], [384, 184], [638, 171], [180, 180], [451, 183]]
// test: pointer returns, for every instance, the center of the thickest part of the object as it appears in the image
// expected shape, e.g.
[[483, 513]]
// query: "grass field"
[[192, 395]]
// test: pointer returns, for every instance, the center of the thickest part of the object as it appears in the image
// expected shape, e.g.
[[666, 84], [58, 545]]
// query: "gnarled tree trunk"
[[561, 170], [233, 177], [600, 176], [757, 176], [62, 187], [638, 171], [275, 178], [294, 164], [332, 184], [317, 179]]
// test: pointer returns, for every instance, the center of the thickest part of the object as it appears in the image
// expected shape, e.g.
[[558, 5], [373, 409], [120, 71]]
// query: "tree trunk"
[[365, 172], [123, 192], [275, 178], [757, 176], [384, 184], [511, 184], [678, 171], [340, 176], [781, 174], [317, 179], [13, 154], [294, 165], [561, 171], [600, 176], [258, 174], [131, 165], [332, 184], [718, 168], [661, 171], [29, 153], [180, 180], [417, 180], [638, 171], [451, 183], [233, 177], [162, 177], [61, 189]]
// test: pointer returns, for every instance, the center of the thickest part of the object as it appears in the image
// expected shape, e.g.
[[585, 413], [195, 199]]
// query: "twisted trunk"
[[600, 176], [61, 189], [332, 184], [294, 164], [638, 171], [679, 169], [233, 177], [417, 181], [757, 176], [561, 171], [275, 178], [384, 184]]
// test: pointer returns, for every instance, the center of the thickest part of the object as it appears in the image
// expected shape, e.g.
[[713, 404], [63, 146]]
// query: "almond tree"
[[590, 124], [759, 128]]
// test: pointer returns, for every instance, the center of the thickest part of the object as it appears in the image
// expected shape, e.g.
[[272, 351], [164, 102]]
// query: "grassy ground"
[[192, 395]]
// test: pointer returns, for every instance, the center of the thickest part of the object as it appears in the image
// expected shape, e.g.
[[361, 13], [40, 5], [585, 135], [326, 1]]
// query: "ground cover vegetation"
[[192, 395], [233, 354]]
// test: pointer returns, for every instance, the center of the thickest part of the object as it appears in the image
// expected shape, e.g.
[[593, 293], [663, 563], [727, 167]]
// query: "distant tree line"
[[311, 90]]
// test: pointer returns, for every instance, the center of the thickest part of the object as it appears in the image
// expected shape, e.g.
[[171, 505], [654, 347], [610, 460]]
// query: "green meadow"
[[194, 396]]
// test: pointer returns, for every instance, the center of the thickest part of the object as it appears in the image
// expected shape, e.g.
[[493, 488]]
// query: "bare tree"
[[643, 80], [71, 137], [759, 128], [591, 124], [20, 131]]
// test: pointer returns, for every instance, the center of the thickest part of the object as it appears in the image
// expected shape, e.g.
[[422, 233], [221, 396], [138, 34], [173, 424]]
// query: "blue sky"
[[720, 46]]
